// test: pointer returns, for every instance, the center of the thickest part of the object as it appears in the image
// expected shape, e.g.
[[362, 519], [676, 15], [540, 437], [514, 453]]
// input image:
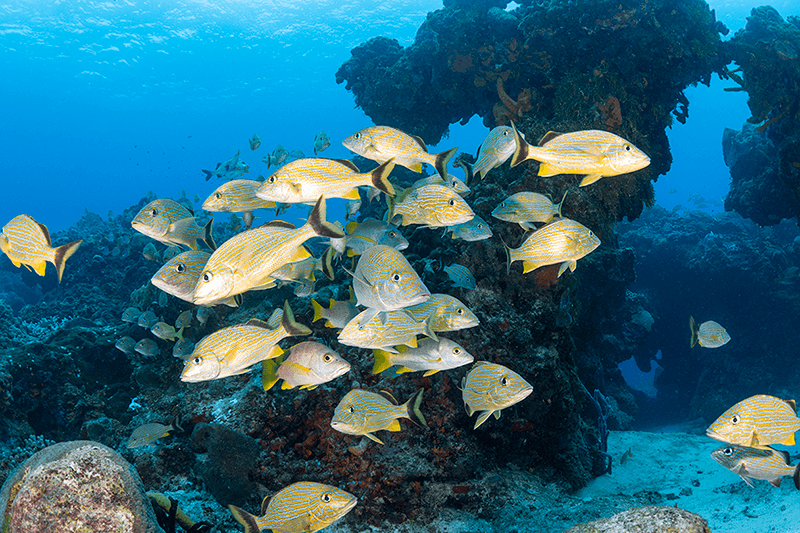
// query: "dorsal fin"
[[280, 224], [258, 323], [46, 234], [549, 136], [349, 164], [791, 403], [420, 142], [388, 395]]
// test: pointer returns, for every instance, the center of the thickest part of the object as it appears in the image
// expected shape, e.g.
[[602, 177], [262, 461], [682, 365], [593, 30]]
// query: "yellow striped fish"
[[362, 413], [709, 334], [382, 143], [237, 196], [27, 242], [430, 355], [233, 350], [384, 331], [757, 463], [495, 150], [758, 421], [445, 312], [595, 153], [490, 387], [561, 241], [302, 506], [305, 180], [178, 276], [525, 207], [168, 221], [433, 206], [246, 260], [309, 364], [384, 280]]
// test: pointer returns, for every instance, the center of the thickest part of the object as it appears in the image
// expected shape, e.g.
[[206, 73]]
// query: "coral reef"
[[767, 52], [76, 486]]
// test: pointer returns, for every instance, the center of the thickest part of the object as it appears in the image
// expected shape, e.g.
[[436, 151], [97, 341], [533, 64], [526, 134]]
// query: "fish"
[[254, 141], [309, 364], [131, 314], [163, 299], [564, 318], [223, 168], [337, 315], [594, 153], [391, 329], [351, 209], [279, 156], [364, 235], [302, 506], [147, 434], [429, 355], [234, 349], [433, 206], [305, 180], [297, 154], [384, 280], [246, 260], [125, 345], [490, 388], [709, 334], [756, 422], [164, 331], [236, 196], [182, 349], [27, 243], [561, 241], [184, 319], [495, 150], [625, 456], [321, 142], [757, 463], [362, 412], [147, 319], [179, 276], [150, 252], [170, 252], [452, 182], [168, 221], [526, 207], [202, 314], [147, 347], [445, 312], [460, 276], [382, 143], [473, 230]]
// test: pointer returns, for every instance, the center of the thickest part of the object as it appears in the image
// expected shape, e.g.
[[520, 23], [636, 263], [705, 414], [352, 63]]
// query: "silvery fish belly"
[[384, 280], [757, 463], [383, 331], [757, 421], [363, 412], [381, 143], [305, 180], [434, 206], [495, 150], [490, 387], [561, 241], [236, 196], [429, 356], [595, 153], [527, 207], [301, 507], [445, 312]]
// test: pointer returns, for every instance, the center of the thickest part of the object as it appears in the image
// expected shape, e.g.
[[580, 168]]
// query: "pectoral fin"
[[373, 437], [482, 418], [567, 265]]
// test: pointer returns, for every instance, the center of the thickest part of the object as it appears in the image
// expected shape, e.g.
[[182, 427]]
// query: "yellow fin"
[[789, 441], [317, 310], [404, 370], [373, 437], [416, 167], [394, 426], [412, 342], [350, 227], [286, 385], [545, 169], [383, 360], [429, 373], [39, 267], [352, 194], [527, 266], [589, 179]]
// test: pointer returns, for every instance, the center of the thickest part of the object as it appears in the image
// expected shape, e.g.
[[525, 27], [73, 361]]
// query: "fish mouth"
[[347, 508], [714, 435]]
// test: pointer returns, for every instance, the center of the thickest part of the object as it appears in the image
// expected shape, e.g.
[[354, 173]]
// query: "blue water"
[[104, 101]]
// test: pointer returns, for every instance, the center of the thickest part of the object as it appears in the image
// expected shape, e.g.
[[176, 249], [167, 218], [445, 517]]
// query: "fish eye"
[[197, 360], [395, 277], [326, 497], [154, 212], [356, 136], [502, 204], [735, 419], [179, 267], [460, 311], [627, 147], [272, 179], [218, 195], [207, 276], [451, 202], [457, 351], [327, 357], [480, 225], [504, 381], [392, 235], [728, 451], [352, 410]]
